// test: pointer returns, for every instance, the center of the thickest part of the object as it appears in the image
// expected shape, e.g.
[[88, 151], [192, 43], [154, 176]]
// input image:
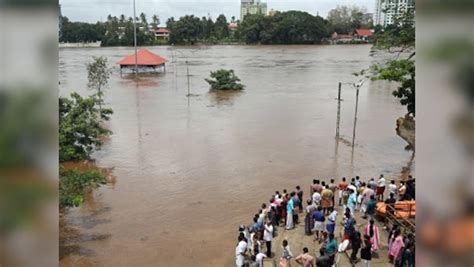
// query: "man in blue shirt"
[[289, 212], [318, 217], [352, 201]]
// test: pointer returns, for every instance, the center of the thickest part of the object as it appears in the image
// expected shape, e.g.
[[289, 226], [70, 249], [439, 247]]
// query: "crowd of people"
[[319, 216]]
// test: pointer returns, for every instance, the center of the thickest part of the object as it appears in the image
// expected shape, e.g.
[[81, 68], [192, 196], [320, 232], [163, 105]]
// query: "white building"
[[252, 7], [386, 11]]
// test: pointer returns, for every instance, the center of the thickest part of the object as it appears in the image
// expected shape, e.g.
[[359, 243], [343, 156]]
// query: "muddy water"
[[190, 170]]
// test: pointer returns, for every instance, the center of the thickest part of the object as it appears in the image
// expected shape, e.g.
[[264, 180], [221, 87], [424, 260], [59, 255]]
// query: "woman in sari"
[[308, 220], [396, 248], [372, 231]]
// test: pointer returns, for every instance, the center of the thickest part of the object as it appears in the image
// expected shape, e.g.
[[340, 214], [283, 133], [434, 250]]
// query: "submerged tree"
[[98, 74], [74, 184], [224, 80], [80, 128]]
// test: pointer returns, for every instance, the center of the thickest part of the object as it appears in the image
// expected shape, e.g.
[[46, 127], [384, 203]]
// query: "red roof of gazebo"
[[364, 32], [144, 58]]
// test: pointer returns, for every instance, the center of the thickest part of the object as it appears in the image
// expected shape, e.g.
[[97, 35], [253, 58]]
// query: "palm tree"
[[143, 19], [156, 20]]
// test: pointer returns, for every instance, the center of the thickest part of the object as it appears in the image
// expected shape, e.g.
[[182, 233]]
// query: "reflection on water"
[[224, 97], [189, 170]]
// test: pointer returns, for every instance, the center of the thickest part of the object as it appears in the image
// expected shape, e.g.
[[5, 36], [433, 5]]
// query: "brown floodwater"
[[189, 170]]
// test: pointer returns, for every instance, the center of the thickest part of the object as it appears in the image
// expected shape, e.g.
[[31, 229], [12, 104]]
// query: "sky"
[[97, 10]]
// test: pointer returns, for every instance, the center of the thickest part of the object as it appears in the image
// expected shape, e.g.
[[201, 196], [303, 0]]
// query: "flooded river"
[[188, 171]]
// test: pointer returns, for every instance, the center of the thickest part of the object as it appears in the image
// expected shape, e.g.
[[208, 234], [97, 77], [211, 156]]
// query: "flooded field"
[[188, 170]]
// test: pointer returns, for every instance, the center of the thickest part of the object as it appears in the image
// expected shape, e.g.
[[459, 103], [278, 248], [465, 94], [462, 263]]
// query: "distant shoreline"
[[97, 45]]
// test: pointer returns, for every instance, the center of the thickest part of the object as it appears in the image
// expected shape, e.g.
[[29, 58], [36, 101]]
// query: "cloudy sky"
[[97, 10]]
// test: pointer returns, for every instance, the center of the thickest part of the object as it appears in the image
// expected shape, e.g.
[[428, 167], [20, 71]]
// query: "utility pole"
[[135, 38], [357, 87], [338, 109], [187, 71]]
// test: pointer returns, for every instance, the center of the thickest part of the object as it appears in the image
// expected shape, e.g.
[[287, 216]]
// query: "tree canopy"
[[399, 39], [291, 27], [224, 80], [80, 127]]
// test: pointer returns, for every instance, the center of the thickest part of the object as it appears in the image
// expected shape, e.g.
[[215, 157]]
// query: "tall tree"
[[221, 27], [155, 21], [80, 127], [143, 20], [98, 74], [399, 40]]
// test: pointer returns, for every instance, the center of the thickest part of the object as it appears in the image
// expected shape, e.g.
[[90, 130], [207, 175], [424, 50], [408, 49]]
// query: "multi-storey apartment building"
[[252, 7], [386, 11]]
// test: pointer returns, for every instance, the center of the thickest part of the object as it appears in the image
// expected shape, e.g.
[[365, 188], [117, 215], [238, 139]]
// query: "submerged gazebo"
[[144, 59]]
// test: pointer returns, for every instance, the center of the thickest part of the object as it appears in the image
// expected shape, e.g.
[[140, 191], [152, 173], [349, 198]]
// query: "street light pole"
[[357, 87], [338, 109], [187, 71], [135, 38]]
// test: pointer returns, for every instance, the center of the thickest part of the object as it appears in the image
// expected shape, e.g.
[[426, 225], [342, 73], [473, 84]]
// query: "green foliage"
[[187, 30], [399, 39], [403, 72], [78, 32], [114, 32], [292, 27], [80, 127], [224, 80], [98, 74], [74, 184]]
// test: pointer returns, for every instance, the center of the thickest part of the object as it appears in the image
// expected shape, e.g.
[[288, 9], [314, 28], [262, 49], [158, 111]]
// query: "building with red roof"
[[341, 37], [363, 34], [162, 33], [144, 59]]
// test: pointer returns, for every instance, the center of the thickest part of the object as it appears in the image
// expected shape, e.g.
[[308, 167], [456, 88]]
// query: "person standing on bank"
[[318, 217], [326, 200], [299, 193], [305, 259], [286, 255], [333, 187], [355, 244], [268, 237], [342, 188], [289, 214], [296, 205], [366, 252], [240, 252], [380, 188]]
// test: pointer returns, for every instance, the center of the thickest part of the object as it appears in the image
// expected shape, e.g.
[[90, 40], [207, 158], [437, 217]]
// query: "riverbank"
[[80, 45], [406, 130], [297, 239]]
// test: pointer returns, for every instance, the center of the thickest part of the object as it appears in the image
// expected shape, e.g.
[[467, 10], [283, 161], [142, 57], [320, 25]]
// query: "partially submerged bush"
[[224, 80], [74, 184]]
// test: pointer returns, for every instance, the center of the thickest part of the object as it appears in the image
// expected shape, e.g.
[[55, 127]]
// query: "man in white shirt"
[[316, 198], [392, 188], [380, 188], [240, 251], [259, 259], [268, 237]]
